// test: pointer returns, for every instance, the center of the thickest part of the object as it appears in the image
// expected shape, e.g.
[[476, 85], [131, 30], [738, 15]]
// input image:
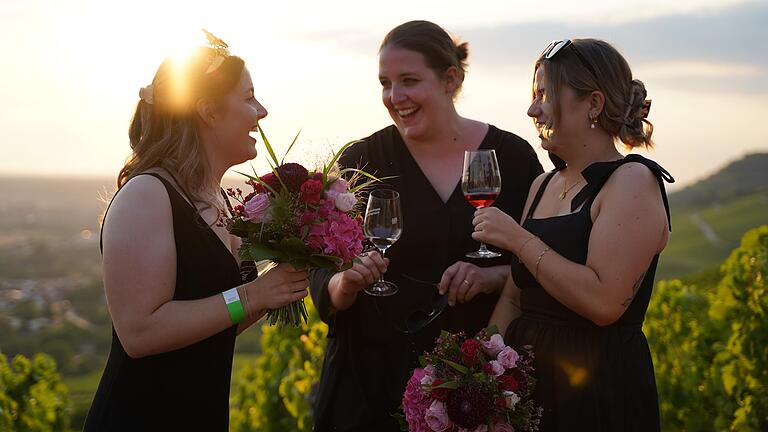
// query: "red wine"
[[480, 200]]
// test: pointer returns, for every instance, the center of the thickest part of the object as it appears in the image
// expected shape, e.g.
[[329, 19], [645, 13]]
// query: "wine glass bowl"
[[481, 185], [383, 226]]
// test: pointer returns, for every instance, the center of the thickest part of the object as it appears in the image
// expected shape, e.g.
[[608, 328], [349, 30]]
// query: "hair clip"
[[646, 107], [147, 94]]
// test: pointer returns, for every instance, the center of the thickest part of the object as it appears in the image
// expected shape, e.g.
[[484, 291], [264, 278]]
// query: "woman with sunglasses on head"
[[588, 245], [374, 342], [171, 273]]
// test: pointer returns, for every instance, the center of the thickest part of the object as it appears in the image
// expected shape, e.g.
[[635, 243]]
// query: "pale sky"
[[71, 70]]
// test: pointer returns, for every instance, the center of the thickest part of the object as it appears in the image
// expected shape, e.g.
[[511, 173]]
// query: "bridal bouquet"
[[305, 218], [474, 384]]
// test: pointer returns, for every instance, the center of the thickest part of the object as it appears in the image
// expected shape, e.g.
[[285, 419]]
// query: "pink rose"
[[437, 417], [339, 186], [494, 345], [345, 201], [257, 208], [495, 368], [503, 427], [508, 358]]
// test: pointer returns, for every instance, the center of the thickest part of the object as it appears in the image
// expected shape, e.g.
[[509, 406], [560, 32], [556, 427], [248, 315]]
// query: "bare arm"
[[630, 227], [508, 307], [344, 286], [140, 277]]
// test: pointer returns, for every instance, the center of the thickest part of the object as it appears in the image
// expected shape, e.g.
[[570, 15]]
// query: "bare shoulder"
[[141, 207], [633, 179], [536, 184]]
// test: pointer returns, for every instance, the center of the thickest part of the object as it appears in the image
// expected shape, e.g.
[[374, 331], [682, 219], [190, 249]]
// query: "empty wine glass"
[[481, 185], [382, 226]]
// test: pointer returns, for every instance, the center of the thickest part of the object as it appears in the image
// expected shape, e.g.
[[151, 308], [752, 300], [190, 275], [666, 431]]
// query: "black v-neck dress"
[[186, 389], [367, 360], [589, 378]]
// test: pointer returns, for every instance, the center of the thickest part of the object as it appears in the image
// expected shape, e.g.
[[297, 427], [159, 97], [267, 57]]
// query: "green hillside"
[[709, 217]]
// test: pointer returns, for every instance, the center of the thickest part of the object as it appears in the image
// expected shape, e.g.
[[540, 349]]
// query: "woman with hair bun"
[[588, 246], [371, 348]]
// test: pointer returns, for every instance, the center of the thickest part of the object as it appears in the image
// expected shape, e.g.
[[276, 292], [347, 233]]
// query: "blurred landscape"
[[52, 300]]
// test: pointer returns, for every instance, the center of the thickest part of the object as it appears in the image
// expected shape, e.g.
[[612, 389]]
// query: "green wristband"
[[234, 306]]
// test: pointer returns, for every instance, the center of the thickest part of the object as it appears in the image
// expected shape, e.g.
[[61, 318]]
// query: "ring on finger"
[[466, 282]]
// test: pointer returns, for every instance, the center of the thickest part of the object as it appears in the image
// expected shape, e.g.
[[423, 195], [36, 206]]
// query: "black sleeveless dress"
[[589, 378], [186, 389]]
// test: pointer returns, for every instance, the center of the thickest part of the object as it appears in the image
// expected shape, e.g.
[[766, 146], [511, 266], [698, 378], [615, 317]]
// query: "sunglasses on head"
[[558, 45]]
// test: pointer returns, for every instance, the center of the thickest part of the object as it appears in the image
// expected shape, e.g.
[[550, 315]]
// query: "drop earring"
[[592, 121]]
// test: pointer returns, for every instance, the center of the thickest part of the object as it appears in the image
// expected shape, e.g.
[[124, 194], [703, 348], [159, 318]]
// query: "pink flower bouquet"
[[305, 218], [472, 384]]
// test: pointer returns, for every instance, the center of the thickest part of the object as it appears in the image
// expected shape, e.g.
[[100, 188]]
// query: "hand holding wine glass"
[[481, 185], [382, 226]]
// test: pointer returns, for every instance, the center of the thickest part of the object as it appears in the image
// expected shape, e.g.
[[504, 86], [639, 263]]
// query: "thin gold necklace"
[[566, 190]]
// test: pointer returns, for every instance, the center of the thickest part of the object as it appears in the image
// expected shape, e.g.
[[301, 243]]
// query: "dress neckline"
[[456, 191]]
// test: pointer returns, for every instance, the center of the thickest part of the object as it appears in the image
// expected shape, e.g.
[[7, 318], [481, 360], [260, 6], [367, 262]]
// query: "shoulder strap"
[[539, 194]]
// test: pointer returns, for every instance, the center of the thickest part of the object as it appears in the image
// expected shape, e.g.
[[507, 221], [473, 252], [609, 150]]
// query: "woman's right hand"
[[279, 286], [344, 286]]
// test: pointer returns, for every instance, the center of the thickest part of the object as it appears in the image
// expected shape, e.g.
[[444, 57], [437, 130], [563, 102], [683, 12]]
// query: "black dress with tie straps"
[[589, 378]]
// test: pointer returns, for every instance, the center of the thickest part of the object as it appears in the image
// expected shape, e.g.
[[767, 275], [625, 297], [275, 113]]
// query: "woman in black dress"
[[371, 348], [170, 272], [588, 245]]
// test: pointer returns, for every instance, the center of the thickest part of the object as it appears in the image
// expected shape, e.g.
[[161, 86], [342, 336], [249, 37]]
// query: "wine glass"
[[481, 185], [382, 226]]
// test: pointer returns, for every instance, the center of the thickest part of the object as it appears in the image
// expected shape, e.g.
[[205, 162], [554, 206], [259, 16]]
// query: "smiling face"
[[558, 131], [414, 95], [238, 113]]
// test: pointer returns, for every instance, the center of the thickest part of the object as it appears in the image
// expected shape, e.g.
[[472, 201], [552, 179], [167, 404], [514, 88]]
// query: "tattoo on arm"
[[635, 287]]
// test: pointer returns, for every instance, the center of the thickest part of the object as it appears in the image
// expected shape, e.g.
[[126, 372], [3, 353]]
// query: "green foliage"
[[276, 393], [32, 397], [710, 344]]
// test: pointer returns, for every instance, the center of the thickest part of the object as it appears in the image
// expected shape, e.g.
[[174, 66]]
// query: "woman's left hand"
[[494, 227], [463, 281]]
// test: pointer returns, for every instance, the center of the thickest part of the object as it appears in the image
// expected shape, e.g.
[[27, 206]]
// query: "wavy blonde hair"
[[164, 133]]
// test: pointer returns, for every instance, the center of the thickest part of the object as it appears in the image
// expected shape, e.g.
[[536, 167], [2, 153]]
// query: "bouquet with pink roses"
[[474, 384], [305, 218]]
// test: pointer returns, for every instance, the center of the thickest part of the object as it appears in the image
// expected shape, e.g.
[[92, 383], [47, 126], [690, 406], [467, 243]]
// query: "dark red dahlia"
[[293, 175], [469, 406]]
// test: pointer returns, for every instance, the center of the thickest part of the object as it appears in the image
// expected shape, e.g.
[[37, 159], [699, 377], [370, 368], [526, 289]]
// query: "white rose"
[[345, 201], [512, 399]]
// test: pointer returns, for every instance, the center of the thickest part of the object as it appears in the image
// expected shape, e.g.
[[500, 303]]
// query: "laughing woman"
[[588, 245], [371, 349], [171, 274]]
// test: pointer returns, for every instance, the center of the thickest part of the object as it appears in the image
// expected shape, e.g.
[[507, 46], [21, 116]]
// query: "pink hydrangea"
[[338, 234], [416, 403]]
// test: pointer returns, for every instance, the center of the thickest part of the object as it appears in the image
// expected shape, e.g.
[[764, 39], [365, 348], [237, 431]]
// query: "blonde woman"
[[171, 274]]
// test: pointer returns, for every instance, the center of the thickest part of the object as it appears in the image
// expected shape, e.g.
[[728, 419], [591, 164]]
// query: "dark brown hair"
[[608, 72], [164, 134], [439, 49]]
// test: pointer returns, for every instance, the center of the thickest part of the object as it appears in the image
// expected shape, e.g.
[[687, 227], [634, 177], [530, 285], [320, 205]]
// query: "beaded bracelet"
[[538, 261]]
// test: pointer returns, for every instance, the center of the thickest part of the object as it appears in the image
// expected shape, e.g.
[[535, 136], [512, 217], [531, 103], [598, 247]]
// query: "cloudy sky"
[[72, 70]]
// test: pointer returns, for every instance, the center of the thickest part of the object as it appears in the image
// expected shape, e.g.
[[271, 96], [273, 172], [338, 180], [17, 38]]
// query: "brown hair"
[[608, 72], [439, 49], [163, 132]]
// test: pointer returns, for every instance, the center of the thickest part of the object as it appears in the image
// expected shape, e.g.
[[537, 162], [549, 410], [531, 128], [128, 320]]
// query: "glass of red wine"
[[481, 185]]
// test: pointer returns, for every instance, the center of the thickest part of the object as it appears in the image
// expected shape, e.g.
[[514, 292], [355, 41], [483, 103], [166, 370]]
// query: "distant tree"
[[32, 397]]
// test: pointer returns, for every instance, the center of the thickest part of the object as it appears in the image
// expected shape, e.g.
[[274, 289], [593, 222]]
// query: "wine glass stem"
[[381, 276], [483, 249]]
